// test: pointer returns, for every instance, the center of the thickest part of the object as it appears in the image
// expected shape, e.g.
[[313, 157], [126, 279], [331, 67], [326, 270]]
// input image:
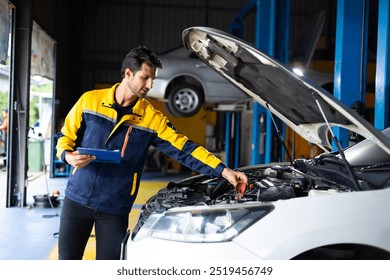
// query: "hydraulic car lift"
[[272, 24]]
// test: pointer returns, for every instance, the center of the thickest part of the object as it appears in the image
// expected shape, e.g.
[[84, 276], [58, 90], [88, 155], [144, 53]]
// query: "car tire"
[[184, 100]]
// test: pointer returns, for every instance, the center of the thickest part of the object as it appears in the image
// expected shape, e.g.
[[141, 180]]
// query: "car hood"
[[292, 98]]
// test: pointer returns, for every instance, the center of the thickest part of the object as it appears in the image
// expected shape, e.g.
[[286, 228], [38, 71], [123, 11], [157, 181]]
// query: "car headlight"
[[203, 224]]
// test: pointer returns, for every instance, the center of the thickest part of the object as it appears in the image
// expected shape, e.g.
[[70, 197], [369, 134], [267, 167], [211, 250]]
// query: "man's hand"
[[234, 177], [237, 179], [77, 160]]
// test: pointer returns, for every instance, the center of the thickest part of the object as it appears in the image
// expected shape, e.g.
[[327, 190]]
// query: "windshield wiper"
[[337, 143]]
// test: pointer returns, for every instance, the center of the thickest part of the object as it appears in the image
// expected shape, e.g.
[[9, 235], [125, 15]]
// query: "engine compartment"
[[326, 173]]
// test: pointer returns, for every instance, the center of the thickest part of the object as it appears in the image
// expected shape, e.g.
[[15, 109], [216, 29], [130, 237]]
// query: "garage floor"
[[30, 233]]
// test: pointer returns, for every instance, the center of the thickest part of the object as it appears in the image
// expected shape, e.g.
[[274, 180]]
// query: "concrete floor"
[[30, 233]]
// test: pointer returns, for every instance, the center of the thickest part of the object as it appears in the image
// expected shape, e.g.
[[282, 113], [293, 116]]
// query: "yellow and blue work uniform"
[[108, 187]]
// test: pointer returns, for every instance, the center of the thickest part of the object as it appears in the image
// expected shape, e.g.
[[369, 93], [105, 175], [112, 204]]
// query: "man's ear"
[[128, 72]]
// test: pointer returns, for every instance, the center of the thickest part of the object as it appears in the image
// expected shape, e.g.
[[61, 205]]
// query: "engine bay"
[[275, 182], [326, 173]]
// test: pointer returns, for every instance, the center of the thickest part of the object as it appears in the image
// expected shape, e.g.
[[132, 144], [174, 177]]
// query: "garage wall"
[[93, 36], [111, 28]]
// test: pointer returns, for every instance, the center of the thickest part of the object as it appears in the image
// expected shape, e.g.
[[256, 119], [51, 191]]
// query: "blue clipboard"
[[102, 155]]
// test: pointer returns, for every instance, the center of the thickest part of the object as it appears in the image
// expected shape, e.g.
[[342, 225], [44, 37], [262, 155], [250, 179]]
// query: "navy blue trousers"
[[76, 226]]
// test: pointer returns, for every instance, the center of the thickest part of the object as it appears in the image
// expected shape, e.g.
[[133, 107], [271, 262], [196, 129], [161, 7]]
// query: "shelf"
[[60, 168]]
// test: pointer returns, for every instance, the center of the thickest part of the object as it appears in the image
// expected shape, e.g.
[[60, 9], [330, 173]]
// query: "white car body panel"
[[144, 250], [298, 225], [293, 227]]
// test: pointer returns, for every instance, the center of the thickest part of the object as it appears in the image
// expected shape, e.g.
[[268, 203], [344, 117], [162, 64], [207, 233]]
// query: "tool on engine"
[[240, 189]]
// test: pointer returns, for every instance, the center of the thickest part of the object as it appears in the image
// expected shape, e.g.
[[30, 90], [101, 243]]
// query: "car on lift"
[[332, 206], [186, 83]]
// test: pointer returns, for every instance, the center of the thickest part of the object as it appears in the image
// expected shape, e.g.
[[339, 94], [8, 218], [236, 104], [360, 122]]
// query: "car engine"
[[266, 183]]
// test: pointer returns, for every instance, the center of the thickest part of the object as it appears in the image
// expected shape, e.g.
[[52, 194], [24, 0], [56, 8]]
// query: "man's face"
[[141, 82]]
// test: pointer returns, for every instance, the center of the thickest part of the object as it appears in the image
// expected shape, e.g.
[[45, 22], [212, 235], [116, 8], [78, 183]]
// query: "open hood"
[[292, 98]]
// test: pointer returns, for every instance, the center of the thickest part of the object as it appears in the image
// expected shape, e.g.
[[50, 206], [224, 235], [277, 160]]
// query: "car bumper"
[[145, 250]]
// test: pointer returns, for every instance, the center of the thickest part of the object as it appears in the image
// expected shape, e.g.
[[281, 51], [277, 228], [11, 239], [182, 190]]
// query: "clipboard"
[[102, 155]]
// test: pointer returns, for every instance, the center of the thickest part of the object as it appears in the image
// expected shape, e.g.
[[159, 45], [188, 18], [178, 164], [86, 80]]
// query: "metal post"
[[19, 101], [349, 56], [382, 92], [265, 41]]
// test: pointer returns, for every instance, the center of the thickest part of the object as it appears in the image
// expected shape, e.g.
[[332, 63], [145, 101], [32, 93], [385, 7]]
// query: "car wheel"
[[184, 100]]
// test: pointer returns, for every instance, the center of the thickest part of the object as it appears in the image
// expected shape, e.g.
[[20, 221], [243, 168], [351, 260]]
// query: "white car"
[[333, 206], [185, 84]]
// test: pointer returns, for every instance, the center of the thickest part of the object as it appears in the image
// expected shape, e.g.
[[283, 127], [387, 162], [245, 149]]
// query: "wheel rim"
[[186, 100]]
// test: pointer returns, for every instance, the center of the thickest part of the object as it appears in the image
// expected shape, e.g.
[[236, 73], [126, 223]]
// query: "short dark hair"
[[136, 57]]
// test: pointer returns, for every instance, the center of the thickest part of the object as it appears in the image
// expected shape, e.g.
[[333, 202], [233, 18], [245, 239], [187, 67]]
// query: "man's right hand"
[[77, 160]]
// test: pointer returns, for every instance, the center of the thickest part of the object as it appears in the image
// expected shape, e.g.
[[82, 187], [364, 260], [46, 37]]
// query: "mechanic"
[[102, 194]]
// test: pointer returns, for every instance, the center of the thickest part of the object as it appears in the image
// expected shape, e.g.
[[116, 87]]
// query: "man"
[[102, 194]]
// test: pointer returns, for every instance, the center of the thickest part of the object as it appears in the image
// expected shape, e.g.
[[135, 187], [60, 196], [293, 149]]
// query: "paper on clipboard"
[[102, 155]]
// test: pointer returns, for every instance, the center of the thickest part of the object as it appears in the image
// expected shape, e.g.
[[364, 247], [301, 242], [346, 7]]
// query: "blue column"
[[283, 30], [350, 54], [282, 46], [265, 41], [382, 85]]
